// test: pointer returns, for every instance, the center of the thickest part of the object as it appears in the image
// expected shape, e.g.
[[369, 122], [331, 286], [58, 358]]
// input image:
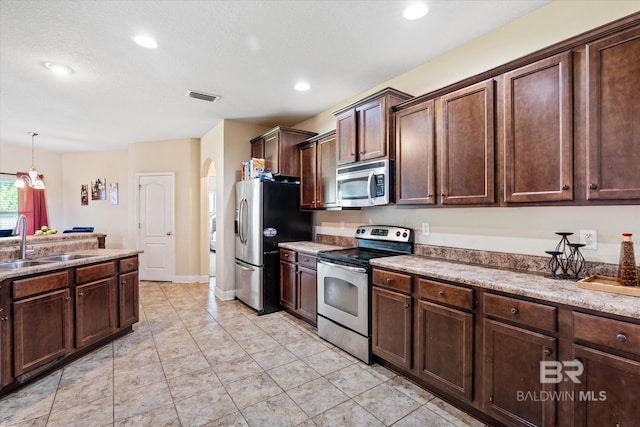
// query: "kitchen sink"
[[64, 257], [14, 265]]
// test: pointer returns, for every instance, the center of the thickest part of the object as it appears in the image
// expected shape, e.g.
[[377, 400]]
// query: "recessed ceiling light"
[[302, 86], [416, 11], [63, 70], [145, 41]]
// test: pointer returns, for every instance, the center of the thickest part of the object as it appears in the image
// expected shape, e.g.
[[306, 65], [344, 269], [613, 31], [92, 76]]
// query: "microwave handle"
[[369, 180]]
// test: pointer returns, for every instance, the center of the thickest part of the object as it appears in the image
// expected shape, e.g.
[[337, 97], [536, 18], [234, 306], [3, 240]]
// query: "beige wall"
[[15, 158], [227, 145], [527, 230], [81, 168], [182, 157]]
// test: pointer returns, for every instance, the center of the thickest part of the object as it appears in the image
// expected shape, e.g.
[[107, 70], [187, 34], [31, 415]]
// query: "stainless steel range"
[[344, 286]]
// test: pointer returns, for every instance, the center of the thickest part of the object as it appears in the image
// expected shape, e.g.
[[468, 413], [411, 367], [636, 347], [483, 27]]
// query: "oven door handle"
[[345, 267]]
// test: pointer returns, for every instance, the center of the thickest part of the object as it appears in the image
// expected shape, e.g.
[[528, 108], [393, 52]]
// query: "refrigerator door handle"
[[244, 218], [241, 233], [244, 268]]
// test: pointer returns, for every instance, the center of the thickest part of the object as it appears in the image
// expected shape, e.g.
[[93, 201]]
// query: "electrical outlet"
[[425, 228], [589, 238]]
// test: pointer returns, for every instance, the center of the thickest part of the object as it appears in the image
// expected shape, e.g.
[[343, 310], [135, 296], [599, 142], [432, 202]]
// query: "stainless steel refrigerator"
[[267, 213]]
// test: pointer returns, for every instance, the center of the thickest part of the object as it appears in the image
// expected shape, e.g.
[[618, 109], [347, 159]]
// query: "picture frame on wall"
[[113, 193], [98, 189], [84, 194]]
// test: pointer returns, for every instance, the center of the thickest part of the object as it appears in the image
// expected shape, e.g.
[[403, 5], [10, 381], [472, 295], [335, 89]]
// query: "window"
[[8, 202]]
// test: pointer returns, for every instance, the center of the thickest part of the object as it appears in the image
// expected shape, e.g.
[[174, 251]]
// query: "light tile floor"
[[194, 360]]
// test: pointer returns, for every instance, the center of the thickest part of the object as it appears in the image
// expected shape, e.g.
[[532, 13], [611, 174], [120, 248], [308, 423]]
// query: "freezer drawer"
[[249, 287]]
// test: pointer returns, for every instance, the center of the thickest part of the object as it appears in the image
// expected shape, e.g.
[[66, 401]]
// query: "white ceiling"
[[251, 53]]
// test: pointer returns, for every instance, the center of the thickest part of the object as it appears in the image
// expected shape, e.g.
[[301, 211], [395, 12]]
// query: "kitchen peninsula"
[[70, 299]]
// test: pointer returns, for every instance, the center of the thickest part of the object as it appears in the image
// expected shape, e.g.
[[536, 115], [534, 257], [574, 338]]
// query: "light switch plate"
[[425, 229]]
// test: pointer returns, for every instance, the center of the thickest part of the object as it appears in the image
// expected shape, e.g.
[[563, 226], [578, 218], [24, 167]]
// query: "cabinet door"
[[372, 129], [445, 347], [415, 169], [391, 326], [308, 179], [603, 397], [288, 285], [6, 341], [466, 137], [326, 173], [257, 148], [538, 131], [613, 113], [346, 134], [95, 311], [128, 299], [41, 330], [511, 378], [307, 294], [272, 153]]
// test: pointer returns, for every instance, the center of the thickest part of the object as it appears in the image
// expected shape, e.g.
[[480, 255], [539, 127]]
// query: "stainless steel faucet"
[[22, 220]]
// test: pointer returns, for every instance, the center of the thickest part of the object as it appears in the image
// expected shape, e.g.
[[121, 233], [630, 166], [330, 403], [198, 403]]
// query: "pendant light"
[[35, 180]]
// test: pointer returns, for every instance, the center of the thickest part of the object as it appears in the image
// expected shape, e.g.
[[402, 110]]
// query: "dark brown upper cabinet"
[[466, 139], [279, 149], [415, 154], [364, 128], [318, 172], [613, 117], [538, 131]]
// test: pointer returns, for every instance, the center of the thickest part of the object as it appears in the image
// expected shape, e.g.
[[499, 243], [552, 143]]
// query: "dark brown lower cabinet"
[[608, 389], [391, 326], [308, 294], [42, 330], [298, 287], [512, 390], [445, 347], [95, 311], [288, 285], [128, 299]]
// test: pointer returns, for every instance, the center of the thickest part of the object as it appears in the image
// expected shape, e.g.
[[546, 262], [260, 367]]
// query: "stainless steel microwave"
[[368, 183]]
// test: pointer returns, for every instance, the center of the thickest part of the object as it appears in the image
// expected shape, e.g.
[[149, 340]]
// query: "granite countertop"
[[48, 238], [98, 256], [524, 284], [309, 248]]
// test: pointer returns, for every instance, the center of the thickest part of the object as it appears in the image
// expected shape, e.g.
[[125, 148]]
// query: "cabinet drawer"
[[449, 294], [35, 285], [95, 272], [611, 333], [307, 261], [523, 312], [401, 282], [128, 264], [287, 255]]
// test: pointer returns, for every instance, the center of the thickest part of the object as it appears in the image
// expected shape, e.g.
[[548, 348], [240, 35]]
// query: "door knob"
[[168, 233]]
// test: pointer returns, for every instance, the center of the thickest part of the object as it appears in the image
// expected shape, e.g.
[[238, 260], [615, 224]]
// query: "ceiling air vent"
[[203, 96]]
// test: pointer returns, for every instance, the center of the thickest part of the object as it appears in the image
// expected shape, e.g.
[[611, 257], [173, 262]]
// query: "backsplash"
[[502, 260]]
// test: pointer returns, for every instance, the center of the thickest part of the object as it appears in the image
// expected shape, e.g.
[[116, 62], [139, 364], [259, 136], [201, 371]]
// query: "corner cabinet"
[[278, 148], [298, 287], [363, 129], [318, 172], [613, 112], [49, 319]]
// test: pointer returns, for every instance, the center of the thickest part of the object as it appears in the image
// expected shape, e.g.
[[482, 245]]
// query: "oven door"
[[343, 295]]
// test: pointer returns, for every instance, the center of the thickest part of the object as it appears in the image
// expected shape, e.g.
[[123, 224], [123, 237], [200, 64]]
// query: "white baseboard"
[[225, 295], [190, 279]]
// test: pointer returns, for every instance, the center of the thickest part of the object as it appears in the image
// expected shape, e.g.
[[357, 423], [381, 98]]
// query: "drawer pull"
[[406, 306], [286, 255], [124, 282], [514, 311], [621, 337], [441, 293], [389, 280], [130, 264], [67, 299], [547, 352], [81, 294], [4, 319]]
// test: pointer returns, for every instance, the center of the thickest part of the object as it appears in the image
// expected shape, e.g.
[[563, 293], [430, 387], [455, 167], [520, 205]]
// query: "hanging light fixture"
[[34, 179]]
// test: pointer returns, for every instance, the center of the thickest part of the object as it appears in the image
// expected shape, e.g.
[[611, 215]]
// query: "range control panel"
[[385, 232]]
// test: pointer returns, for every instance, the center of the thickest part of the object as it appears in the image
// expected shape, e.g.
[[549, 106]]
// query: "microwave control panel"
[[379, 185]]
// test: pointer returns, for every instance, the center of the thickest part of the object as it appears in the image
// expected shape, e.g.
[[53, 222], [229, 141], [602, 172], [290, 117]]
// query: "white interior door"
[[155, 226]]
